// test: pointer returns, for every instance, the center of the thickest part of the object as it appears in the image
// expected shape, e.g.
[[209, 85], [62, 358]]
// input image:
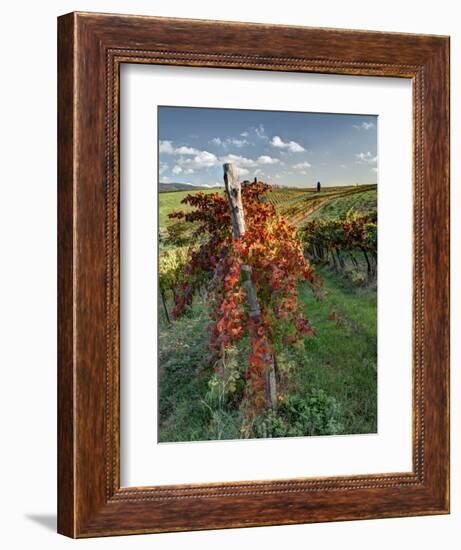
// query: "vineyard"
[[269, 332], [298, 206]]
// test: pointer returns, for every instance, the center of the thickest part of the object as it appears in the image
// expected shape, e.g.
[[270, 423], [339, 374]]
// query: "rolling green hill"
[[302, 205], [172, 187], [298, 205], [170, 202]]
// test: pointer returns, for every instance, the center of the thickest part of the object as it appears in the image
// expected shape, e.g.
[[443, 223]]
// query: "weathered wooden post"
[[165, 308], [234, 195]]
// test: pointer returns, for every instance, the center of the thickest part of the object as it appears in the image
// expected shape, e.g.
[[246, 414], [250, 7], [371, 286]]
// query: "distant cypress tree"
[[318, 187]]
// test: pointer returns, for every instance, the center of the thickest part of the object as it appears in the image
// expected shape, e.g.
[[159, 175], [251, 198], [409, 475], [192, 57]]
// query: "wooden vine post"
[[234, 195], [165, 308]]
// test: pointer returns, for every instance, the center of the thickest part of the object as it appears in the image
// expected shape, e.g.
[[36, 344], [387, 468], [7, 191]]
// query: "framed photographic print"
[[253, 275]]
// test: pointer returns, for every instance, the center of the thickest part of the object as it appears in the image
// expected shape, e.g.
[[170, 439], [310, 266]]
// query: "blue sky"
[[278, 147]]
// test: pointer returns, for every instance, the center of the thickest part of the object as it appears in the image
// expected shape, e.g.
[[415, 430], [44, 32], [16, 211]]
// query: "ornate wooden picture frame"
[[92, 48]]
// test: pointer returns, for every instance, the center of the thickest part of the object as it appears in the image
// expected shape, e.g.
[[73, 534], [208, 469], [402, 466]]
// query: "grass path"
[[342, 358]]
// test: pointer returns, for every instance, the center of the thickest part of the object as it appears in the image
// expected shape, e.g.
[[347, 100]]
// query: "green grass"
[[342, 357], [171, 201], [185, 410], [333, 375]]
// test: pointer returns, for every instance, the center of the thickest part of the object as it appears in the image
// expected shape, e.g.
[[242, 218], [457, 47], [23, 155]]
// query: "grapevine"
[[330, 238], [271, 254]]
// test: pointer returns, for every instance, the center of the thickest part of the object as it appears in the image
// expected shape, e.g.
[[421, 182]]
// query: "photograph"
[[267, 274]]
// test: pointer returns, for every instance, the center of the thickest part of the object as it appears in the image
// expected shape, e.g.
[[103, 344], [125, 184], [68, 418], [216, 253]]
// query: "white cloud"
[[203, 159], [179, 170], [184, 150], [244, 134], [291, 146], [302, 165], [162, 168], [166, 146], [261, 132], [364, 126], [239, 160], [239, 142], [366, 158], [248, 163], [190, 159], [229, 141], [242, 171], [277, 142], [266, 159]]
